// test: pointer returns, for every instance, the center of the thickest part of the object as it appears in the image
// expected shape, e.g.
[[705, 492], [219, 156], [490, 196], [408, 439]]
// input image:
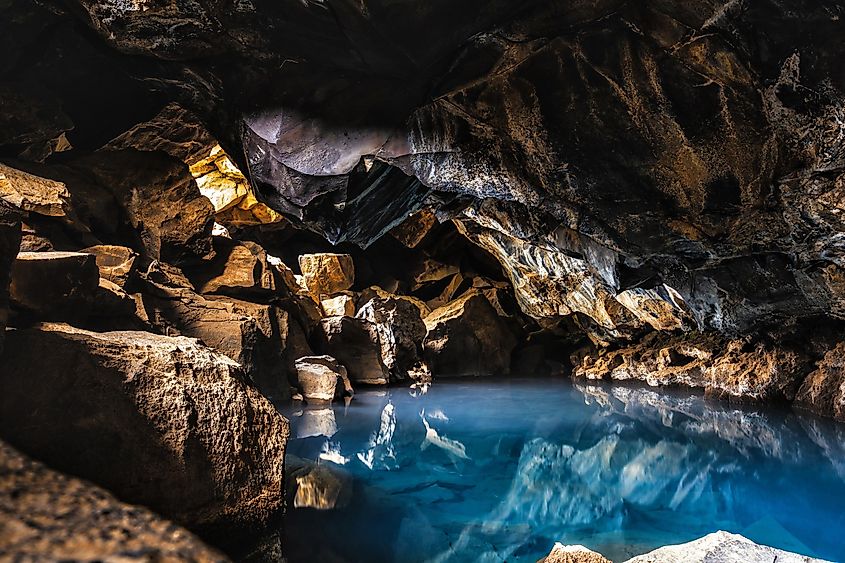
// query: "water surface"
[[500, 470]]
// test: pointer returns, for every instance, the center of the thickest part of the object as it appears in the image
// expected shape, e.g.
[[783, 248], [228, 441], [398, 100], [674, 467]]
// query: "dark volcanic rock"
[[467, 337], [183, 433], [823, 391], [47, 516], [355, 344], [400, 330]]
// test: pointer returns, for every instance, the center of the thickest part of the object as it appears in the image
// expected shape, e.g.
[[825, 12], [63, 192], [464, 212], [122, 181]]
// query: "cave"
[[422, 280]]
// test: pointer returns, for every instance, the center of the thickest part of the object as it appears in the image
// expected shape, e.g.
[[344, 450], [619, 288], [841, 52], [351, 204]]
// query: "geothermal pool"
[[500, 470]]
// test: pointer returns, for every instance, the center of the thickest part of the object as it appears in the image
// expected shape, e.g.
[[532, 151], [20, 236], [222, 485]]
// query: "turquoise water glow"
[[500, 470]]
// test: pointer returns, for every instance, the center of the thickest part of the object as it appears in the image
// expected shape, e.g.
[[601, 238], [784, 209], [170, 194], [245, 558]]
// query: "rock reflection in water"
[[499, 471]]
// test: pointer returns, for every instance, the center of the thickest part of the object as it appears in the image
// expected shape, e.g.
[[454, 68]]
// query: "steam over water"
[[500, 471]]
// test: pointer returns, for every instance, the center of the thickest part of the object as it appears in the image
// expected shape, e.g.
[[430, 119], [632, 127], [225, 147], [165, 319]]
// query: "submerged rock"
[[184, 433], [467, 337], [47, 516], [721, 547]]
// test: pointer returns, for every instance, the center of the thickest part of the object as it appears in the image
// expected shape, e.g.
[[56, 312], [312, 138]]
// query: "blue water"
[[500, 470]]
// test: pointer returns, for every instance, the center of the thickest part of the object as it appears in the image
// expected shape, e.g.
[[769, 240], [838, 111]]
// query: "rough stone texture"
[[32, 194], [690, 150], [10, 240], [342, 305], [414, 228], [355, 344], [47, 516], [467, 337], [823, 391], [183, 434], [327, 273], [54, 285], [573, 554], [400, 330], [321, 379], [229, 191], [253, 334], [116, 263], [237, 268], [738, 368], [721, 547]]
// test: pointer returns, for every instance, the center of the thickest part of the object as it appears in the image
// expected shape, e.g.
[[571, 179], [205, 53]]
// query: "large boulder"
[[326, 273], [47, 516], [355, 344], [467, 337], [400, 330], [722, 367], [321, 379], [54, 285], [823, 390], [10, 240], [162, 421]]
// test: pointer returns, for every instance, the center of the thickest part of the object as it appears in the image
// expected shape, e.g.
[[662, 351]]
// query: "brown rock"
[[449, 292], [326, 273], [340, 305], [376, 291], [573, 554], [10, 240], [33, 194], [158, 196], [321, 379], [111, 301], [47, 516], [237, 268], [54, 285], [430, 270], [355, 343], [400, 330], [467, 337], [116, 263], [252, 334], [174, 130], [413, 230], [740, 369], [823, 391], [183, 432]]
